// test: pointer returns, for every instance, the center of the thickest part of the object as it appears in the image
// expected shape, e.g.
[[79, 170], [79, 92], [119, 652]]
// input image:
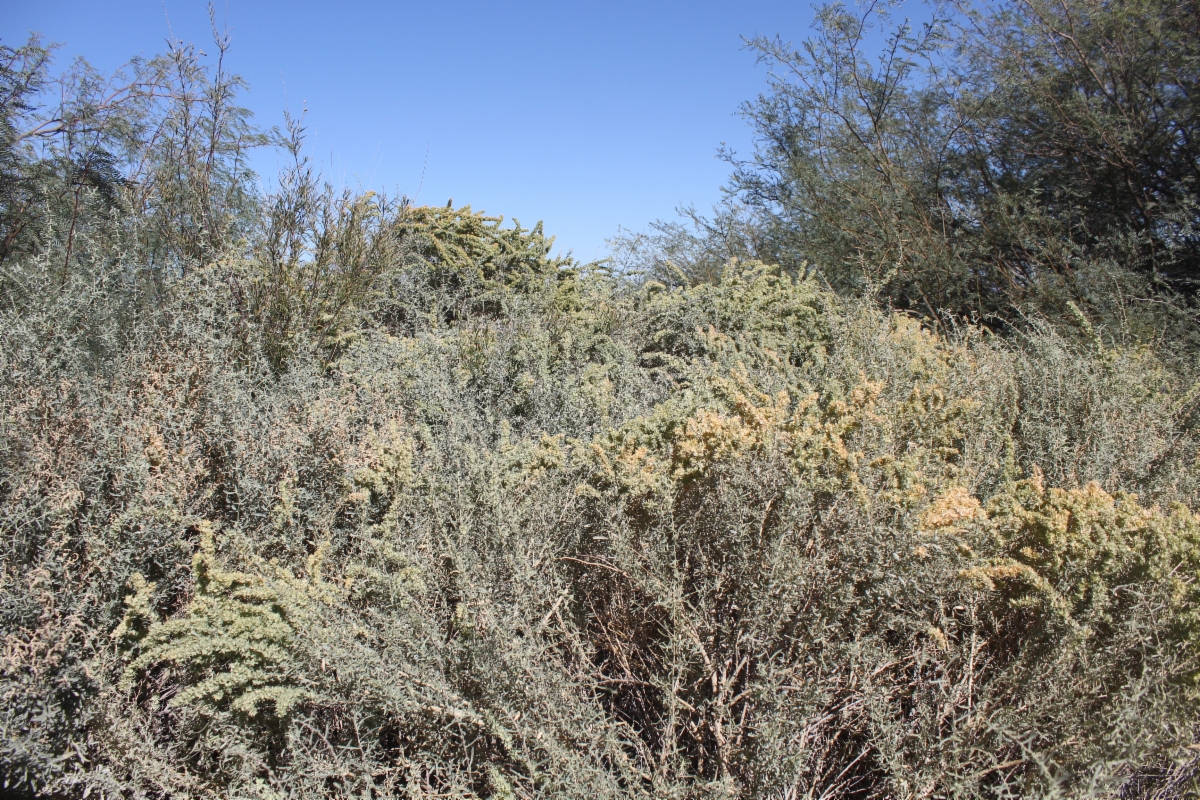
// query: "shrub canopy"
[[311, 494]]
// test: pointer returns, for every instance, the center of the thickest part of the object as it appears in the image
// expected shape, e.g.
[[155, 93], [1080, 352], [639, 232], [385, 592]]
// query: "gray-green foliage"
[[233, 642], [380, 500], [993, 157]]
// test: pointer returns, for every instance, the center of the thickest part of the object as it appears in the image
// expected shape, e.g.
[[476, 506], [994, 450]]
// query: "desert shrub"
[[362, 498], [644, 541], [985, 160]]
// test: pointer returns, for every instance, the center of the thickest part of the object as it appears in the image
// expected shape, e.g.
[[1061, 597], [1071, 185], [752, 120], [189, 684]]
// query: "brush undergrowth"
[[560, 535], [376, 501]]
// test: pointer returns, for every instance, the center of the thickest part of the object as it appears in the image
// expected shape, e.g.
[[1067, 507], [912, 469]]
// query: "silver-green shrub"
[[375, 500]]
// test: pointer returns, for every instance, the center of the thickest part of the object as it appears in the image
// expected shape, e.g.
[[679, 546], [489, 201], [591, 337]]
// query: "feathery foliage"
[[996, 160], [313, 494]]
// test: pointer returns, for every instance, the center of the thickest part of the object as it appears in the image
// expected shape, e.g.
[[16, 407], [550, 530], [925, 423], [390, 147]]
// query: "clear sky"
[[588, 116]]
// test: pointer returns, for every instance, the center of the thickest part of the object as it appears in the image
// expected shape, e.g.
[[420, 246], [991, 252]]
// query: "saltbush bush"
[[379, 500]]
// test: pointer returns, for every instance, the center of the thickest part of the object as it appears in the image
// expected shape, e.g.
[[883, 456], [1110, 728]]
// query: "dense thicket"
[[990, 161], [307, 493]]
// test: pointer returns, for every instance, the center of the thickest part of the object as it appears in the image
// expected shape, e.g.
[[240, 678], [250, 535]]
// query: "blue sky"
[[588, 116]]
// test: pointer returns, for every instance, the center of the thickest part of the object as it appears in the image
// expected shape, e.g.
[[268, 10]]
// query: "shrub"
[[383, 500]]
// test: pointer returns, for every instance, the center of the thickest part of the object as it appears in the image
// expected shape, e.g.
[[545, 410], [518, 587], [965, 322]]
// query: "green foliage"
[[339, 496], [993, 161], [1078, 552], [232, 643]]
